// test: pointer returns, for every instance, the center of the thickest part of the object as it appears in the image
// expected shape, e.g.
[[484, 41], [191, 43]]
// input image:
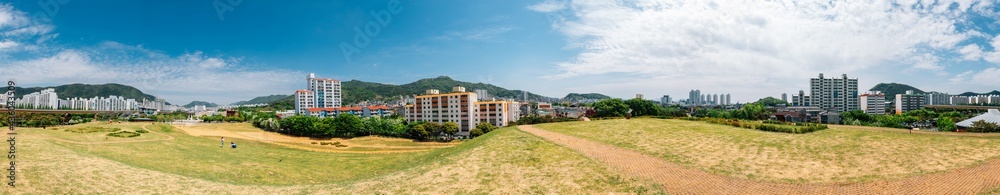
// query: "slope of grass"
[[839, 154], [86, 132], [506, 161]]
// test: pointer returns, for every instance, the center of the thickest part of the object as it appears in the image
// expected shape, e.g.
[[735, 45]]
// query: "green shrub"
[[124, 134], [141, 131]]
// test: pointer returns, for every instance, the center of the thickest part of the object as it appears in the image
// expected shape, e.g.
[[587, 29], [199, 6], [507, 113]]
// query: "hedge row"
[[795, 128]]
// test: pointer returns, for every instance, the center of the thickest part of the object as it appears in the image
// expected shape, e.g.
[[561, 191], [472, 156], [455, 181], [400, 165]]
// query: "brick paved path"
[[680, 180]]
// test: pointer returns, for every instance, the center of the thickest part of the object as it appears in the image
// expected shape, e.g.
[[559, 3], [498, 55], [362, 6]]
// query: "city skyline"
[[574, 47]]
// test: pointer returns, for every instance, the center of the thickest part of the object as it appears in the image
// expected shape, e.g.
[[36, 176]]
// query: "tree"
[[348, 125], [981, 126], [945, 124], [859, 115], [434, 129], [450, 128], [751, 111], [417, 130], [771, 101], [922, 114], [641, 107], [486, 127], [611, 108], [299, 125], [476, 132]]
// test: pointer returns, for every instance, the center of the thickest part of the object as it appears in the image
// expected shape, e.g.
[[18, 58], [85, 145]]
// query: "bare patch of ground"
[[360, 145]]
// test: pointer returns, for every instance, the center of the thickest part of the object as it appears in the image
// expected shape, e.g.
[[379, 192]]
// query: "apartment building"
[[326, 92], [872, 103], [834, 94], [462, 108], [909, 101], [457, 106], [937, 98], [801, 99], [322, 93], [499, 113], [45, 99], [304, 99]]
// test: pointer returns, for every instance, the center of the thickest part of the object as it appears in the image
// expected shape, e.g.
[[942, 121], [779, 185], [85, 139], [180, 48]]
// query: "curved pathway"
[[679, 180], [119, 141]]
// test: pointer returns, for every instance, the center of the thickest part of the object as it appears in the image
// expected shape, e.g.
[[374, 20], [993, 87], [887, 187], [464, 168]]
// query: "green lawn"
[[62, 133], [838, 154]]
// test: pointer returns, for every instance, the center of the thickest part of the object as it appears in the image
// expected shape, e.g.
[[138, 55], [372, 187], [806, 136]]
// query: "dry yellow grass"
[[503, 162], [839, 154]]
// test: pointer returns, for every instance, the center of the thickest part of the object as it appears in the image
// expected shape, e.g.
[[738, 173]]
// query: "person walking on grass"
[[223, 143]]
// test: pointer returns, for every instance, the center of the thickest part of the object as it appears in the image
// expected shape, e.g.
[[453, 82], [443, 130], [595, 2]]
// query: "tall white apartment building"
[[458, 106], [45, 99], [872, 103], [937, 98], [326, 92], [729, 99], [304, 100], [694, 97], [834, 94], [482, 94]]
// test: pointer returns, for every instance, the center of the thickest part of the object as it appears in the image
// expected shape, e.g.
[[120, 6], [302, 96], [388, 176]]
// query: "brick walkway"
[[680, 180]]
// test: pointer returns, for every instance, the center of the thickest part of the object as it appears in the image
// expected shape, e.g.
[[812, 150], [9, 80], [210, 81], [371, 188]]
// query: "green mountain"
[[891, 89], [262, 99], [994, 92], [200, 103], [88, 91], [585, 96], [356, 91]]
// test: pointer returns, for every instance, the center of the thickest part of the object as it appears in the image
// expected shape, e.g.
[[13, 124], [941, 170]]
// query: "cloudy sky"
[[222, 51]]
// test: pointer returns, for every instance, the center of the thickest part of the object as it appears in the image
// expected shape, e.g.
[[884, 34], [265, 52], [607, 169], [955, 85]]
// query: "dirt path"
[[120, 141], [680, 180]]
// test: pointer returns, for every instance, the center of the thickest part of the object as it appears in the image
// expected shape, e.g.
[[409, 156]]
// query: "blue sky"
[[223, 51]]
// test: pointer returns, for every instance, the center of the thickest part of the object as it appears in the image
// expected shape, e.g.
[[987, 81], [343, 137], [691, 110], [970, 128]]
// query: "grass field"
[[62, 133], [839, 154], [506, 161]]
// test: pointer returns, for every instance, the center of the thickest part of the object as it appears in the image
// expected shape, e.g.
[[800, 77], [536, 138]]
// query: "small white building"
[[991, 115]]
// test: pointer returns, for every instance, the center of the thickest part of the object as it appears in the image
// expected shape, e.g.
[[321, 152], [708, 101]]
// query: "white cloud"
[[180, 79], [994, 56], [7, 45], [987, 77], [548, 6], [757, 44], [971, 52], [479, 34]]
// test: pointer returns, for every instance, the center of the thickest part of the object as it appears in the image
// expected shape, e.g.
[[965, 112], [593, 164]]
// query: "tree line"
[[348, 126]]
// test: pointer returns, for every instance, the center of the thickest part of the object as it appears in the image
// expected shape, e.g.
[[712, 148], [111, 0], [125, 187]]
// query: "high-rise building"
[[784, 97], [665, 100], [326, 91], [909, 101], [872, 103], [45, 99], [482, 94], [801, 99], [715, 99], [729, 99], [639, 96], [937, 98], [834, 94], [304, 100], [694, 97]]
